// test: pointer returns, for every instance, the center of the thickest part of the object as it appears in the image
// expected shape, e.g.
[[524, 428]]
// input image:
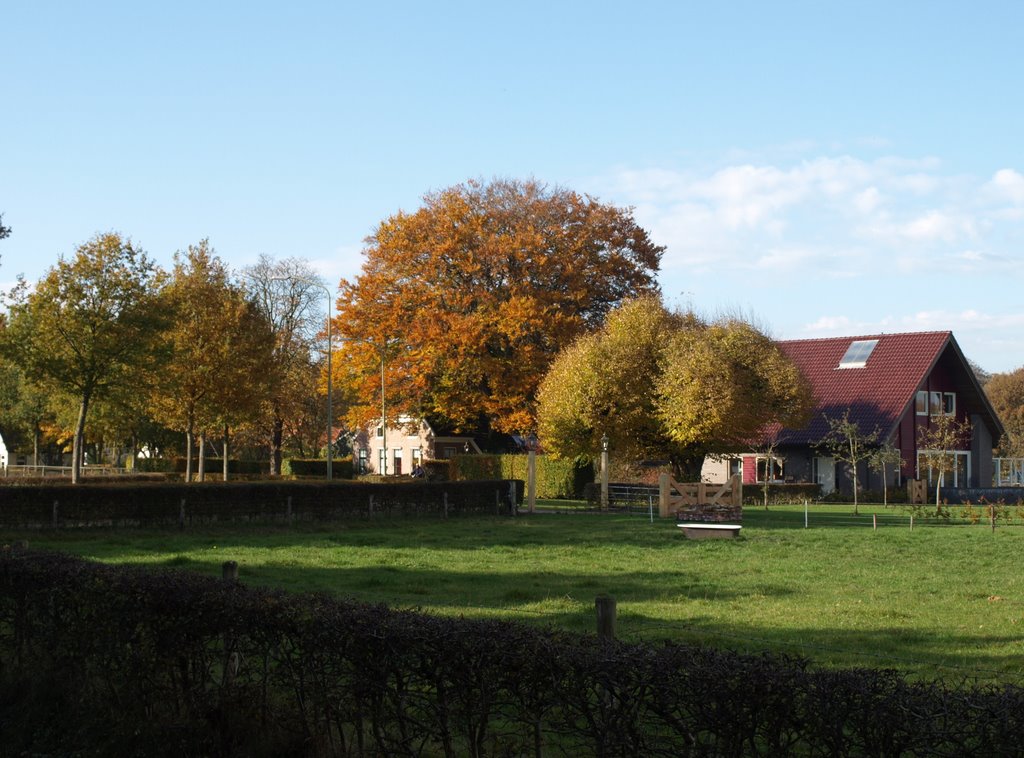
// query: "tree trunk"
[[687, 468], [76, 448], [277, 434], [202, 456]]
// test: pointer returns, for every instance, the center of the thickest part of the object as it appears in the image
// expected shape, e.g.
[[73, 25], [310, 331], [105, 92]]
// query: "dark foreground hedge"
[[178, 503], [98, 660]]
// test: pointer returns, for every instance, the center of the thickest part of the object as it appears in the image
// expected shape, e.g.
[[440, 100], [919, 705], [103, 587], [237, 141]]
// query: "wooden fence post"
[[736, 483], [606, 611], [229, 571], [663, 495], [445, 498], [512, 497], [181, 514], [288, 512], [56, 513]]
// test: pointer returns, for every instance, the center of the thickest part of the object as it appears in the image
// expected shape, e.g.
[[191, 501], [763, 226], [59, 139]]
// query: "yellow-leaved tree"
[[668, 384]]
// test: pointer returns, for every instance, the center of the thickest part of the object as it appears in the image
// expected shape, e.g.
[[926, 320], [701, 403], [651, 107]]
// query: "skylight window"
[[858, 353]]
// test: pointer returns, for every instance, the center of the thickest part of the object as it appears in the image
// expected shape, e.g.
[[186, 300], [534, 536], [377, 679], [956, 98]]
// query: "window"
[[953, 465], [921, 403], [770, 467], [949, 403], [935, 403], [382, 462], [858, 353], [363, 453], [380, 431]]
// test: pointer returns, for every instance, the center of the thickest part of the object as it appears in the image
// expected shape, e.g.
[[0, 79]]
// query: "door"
[[825, 474]]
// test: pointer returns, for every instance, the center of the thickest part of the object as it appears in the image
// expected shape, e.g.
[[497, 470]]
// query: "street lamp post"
[[604, 472]]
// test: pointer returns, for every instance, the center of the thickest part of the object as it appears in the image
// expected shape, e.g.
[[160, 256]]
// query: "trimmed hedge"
[[213, 466], [341, 468], [555, 478], [103, 660], [178, 503]]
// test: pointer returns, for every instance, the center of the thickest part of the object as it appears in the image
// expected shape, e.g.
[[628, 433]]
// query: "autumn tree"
[[89, 324], [1006, 393], [482, 287], [940, 440], [661, 383], [218, 349], [884, 457], [5, 231], [847, 443], [288, 294], [24, 409]]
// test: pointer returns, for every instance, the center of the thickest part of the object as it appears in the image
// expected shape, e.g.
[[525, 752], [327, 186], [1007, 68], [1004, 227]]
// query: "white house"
[[397, 449], [3, 453]]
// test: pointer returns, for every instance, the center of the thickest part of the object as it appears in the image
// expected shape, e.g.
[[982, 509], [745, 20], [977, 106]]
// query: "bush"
[[179, 503], [341, 468], [134, 662], [781, 494], [555, 478], [216, 465]]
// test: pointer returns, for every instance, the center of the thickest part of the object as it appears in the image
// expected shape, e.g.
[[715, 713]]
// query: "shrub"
[[135, 662], [341, 468], [555, 478], [178, 503]]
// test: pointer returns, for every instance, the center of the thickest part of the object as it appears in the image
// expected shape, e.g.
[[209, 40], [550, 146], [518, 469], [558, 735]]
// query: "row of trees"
[[109, 339], [468, 300]]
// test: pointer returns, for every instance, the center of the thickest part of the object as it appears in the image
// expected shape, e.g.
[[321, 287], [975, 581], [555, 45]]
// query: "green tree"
[[1006, 393], [665, 384], [847, 443], [88, 325], [5, 231], [482, 287]]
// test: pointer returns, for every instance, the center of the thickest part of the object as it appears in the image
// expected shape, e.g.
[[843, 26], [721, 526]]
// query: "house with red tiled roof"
[[893, 383]]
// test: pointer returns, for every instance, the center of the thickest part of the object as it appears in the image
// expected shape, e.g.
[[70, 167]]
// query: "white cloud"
[[1009, 184]]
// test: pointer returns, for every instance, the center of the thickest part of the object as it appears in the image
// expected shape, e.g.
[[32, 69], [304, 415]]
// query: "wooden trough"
[[710, 531]]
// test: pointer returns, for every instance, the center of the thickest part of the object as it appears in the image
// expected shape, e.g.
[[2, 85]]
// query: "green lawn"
[[935, 601]]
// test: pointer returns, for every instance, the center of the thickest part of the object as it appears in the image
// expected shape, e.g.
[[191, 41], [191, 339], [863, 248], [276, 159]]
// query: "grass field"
[[935, 601]]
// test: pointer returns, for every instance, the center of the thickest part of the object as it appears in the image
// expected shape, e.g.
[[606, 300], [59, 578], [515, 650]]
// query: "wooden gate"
[[675, 497]]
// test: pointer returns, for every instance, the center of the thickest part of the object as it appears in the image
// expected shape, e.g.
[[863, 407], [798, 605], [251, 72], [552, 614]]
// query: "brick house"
[[895, 383]]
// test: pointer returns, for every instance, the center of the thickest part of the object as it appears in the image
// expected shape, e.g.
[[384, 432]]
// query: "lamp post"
[[531, 472], [604, 472], [330, 345]]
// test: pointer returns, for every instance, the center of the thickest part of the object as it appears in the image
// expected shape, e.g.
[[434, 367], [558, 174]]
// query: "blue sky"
[[827, 168]]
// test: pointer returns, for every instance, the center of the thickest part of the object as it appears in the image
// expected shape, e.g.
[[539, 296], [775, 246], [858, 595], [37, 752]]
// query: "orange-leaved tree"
[[470, 298]]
